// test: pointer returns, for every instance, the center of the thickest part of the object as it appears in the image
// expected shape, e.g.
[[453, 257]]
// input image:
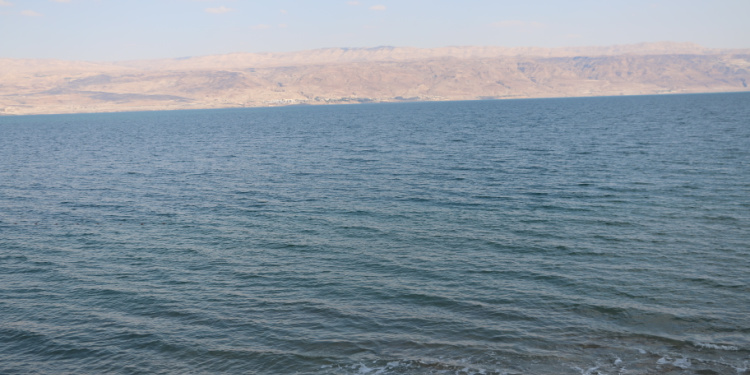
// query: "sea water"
[[549, 236]]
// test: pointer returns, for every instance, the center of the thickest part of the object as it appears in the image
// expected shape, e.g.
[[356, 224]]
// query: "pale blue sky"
[[106, 30]]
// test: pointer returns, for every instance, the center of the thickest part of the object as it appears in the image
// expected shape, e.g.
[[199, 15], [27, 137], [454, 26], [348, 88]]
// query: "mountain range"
[[359, 75]]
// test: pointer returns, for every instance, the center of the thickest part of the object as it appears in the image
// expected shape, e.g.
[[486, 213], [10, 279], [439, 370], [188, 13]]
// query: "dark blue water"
[[559, 236]]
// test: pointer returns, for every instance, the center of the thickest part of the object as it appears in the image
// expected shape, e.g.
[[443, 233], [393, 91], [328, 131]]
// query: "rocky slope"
[[339, 75]]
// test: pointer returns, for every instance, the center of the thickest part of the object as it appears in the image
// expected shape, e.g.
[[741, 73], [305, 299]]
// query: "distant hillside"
[[383, 74]]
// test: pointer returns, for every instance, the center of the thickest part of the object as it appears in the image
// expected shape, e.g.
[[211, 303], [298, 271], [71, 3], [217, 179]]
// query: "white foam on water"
[[682, 363], [399, 367], [742, 370], [704, 345], [589, 371], [363, 369], [663, 361]]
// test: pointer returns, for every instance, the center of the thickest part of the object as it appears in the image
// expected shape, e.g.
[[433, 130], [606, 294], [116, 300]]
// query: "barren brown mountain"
[[382, 74]]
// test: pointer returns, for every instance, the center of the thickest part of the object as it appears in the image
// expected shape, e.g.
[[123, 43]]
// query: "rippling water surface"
[[565, 236]]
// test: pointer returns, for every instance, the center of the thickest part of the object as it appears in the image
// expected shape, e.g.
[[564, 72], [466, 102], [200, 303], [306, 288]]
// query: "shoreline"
[[79, 109]]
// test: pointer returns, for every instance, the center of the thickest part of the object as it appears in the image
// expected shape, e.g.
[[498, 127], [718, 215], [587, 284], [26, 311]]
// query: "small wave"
[[683, 363], [704, 345], [588, 371], [410, 367]]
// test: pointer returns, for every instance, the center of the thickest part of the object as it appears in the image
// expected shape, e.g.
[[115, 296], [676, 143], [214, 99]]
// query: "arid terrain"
[[382, 74]]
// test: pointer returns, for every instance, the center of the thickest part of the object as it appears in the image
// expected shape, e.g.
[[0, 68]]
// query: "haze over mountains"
[[382, 74]]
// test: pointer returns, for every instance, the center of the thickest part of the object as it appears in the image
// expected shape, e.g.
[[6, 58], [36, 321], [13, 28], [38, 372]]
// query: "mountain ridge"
[[379, 74]]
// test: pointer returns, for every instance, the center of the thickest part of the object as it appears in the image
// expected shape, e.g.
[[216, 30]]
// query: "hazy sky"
[[140, 29]]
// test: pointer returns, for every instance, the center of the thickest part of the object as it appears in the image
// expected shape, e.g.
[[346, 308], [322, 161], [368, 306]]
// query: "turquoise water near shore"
[[545, 236]]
